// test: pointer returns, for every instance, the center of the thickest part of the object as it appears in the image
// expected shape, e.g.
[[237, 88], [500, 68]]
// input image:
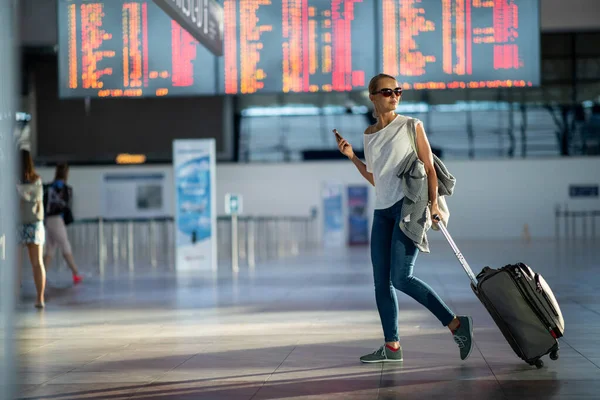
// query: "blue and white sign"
[[195, 204], [358, 221], [233, 204], [333, 220]]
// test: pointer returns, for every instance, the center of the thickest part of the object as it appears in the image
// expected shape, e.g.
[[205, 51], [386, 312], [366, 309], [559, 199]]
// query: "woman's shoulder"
[[37, 183], [370, 129], [415, 120], [402, 117]]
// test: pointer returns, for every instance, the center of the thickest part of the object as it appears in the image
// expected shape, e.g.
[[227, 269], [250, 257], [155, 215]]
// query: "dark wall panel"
[[38, 22], [67, 130]]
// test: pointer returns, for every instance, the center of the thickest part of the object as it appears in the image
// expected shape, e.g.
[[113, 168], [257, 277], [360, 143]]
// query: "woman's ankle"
[[454, 324], [393, 345]]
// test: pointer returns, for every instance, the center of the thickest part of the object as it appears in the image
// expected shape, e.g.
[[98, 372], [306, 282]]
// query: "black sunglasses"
[[388, 92]]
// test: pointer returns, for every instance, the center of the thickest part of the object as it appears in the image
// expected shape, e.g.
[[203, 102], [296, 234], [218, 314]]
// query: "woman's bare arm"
[[362, 168], [346, 149], [426, 156]]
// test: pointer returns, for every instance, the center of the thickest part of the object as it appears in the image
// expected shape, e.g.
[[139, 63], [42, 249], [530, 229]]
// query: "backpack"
[[46, 186], [60, 202]]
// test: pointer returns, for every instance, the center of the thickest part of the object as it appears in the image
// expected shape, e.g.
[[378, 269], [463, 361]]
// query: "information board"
[[128, 48], [452, 44], [132, 48], [298, 46], [203, 19]]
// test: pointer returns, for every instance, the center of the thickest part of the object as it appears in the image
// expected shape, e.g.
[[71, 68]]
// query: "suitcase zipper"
[[541, 309], [541, 290]]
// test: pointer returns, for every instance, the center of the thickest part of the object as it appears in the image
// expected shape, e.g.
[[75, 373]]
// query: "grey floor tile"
[[135, 361], [595, 361], [443, 390], [199, 389], [326, 393], [37, 378], [295, 329], [81, 391], [553, 389], [217, 374], [75, 377], [340, 386]]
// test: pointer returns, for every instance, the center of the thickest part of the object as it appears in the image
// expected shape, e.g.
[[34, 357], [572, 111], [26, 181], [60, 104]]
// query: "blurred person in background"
[[31, 232], [58, 216], [387, 145]]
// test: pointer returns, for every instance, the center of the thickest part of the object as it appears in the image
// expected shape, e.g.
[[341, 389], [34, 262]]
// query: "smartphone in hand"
[[338, 137]]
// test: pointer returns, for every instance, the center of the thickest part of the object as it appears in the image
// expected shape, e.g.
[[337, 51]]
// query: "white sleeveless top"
[[384, 151]]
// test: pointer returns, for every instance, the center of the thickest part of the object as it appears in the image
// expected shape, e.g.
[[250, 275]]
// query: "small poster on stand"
[[358, 221]]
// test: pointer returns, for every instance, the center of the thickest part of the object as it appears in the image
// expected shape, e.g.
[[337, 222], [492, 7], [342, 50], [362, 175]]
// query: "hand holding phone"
[[343, 145]]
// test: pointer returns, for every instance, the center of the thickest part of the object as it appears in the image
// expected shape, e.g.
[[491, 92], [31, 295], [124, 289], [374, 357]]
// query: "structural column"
[[8, 202]]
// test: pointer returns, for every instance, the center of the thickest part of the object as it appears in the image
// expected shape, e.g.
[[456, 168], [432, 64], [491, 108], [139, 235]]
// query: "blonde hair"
[[373, 86]]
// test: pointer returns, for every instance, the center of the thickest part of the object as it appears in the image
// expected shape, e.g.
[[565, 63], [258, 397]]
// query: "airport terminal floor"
[[295, 329]]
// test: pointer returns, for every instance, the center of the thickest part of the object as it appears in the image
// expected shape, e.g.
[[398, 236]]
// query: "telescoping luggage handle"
[[457, 252]]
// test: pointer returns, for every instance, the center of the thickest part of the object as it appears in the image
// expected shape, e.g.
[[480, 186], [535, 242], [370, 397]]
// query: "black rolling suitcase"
[[522, 305]]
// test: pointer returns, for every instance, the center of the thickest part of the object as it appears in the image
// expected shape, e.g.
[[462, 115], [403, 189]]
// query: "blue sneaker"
[[464, 337]]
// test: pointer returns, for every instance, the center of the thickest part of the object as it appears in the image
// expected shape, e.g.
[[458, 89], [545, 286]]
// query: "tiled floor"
[[295, 330]]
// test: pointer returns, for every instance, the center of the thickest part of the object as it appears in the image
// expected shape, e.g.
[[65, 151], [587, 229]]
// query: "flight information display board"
[[461, 43], [128, 48], [113, 48], [298, 46]]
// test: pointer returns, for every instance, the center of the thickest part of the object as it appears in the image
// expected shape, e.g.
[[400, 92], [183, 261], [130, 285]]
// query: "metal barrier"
[[100, 245], [575, 224], [252, 239]]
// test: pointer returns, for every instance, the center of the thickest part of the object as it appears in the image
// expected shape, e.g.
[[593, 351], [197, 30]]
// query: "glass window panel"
[[556, 44], [587, 44], [283, 138]]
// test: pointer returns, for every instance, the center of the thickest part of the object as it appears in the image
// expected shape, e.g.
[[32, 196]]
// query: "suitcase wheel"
[[554, 355], [539, 364]]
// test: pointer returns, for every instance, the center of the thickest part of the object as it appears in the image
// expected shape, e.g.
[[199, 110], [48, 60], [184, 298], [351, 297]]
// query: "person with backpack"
[[31, 233], [58, 216]]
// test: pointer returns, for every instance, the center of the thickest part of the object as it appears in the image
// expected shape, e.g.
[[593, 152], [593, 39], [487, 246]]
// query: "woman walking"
[[58, 212], [31, 228], [387, 144]]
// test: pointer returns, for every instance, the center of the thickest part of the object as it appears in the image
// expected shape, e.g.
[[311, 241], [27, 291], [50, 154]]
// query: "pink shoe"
[[77, 279]]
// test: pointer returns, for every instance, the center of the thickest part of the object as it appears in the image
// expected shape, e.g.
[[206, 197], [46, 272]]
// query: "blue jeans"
[[393, 256]]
